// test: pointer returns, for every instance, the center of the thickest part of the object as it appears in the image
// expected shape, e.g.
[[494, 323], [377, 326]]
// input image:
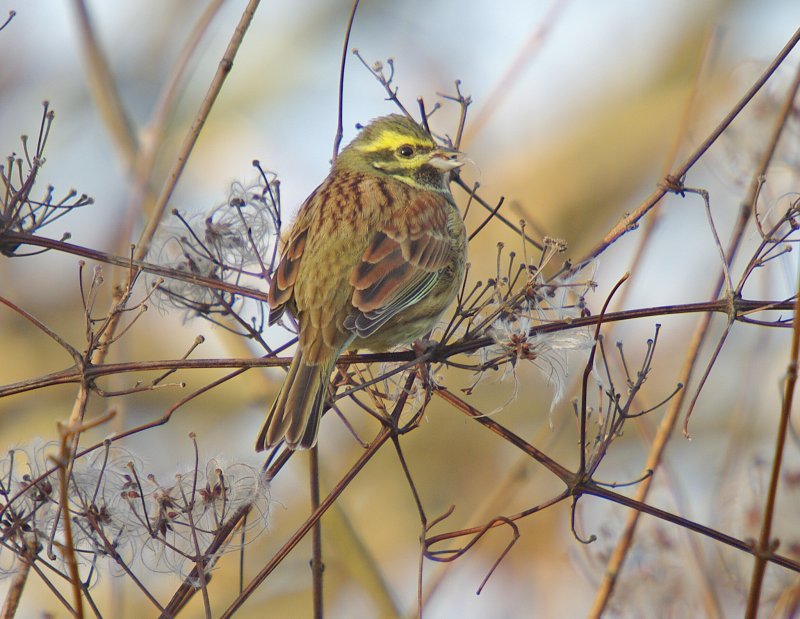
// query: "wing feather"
[[401, 264]]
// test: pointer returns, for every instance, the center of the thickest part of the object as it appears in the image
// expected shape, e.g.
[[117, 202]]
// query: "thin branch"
[[620, 552], [337, 140], [224, 68], [303, 530], [104, 89], [764, 546], [628, 223]]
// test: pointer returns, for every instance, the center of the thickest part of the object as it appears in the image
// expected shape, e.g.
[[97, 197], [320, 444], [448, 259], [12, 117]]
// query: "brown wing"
[[401, 264], [281, 288]]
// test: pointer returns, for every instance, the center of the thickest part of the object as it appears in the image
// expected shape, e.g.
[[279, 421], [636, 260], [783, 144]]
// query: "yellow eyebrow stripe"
[[390, 140]]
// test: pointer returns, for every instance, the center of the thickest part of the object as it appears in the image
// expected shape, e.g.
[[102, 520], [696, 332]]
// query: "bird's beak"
[[445, 159]]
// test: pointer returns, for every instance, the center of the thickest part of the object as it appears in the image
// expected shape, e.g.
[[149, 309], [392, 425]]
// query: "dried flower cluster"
[[119, 515], [512, 309], [20, 212], [232, 242]]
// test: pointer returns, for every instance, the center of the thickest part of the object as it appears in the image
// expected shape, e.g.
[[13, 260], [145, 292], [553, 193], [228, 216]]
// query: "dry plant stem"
[[143, 245], [650, 226], [488, 507], [112, 552], [337, 140], [751, 201], [201, 567], [303, 530], [225, 66], [104, 89], [667, 425], [516, 70], [185, 592], [317, 567], [154, 131], [576, 486], [764, 547], [470, 191], [712, 608], [596, 490], [15, 589], [554, 467], [95, 371], [64, 466], [64, 463], [363, 564], [651, 223], [53, 589], [128, 263], [628, 222], [73, 352], [587, 371]]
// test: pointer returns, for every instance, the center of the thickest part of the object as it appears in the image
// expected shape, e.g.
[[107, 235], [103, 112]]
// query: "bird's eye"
[[406, 151]]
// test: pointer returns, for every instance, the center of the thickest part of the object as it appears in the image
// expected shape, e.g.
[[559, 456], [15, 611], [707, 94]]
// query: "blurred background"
[[577, 108]]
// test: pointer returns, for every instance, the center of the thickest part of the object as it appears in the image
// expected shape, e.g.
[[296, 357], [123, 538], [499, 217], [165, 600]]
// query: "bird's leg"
[[421, 347]]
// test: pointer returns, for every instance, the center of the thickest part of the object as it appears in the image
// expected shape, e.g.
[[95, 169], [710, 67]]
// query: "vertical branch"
[[15, 589], [224, 68], [104, 89], [141, 193], [664, 432], [763, 547], [337, 141], [68, 549], [143, 244], [317, 567]]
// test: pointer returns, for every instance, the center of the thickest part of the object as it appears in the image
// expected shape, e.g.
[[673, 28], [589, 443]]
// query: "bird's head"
[[398, 147]]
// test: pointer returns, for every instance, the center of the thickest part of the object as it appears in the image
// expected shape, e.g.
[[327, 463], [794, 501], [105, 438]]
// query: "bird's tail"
[[295, 413]]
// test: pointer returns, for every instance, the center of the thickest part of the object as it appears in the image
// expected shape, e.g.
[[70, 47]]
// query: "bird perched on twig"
[[374, 258]]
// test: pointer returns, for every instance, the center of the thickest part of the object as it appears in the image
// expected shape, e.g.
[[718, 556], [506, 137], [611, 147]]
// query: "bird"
[[375, 256]]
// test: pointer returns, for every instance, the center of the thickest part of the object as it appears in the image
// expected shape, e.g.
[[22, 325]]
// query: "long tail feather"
[[295, 413]]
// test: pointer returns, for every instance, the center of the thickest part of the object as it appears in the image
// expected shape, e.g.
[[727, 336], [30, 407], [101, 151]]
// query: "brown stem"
[[104, 89], [664, 432], [317, 566], [629, 221], [763, 548], [303, 530], [15, 589]]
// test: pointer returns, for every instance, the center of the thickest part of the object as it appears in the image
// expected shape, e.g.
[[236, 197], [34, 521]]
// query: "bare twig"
[[104, 89], [765, 544], [337, 140]]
